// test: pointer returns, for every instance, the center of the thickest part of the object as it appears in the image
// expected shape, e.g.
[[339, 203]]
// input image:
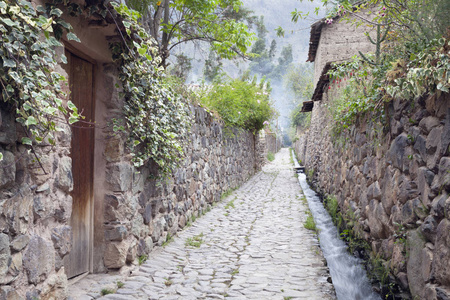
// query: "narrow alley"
[[252, 245]]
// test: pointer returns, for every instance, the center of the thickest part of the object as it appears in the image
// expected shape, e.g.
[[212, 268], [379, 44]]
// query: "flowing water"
[[349, 277]]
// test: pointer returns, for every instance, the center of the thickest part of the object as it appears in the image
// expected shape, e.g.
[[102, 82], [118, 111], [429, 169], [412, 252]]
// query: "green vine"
[[156, 118], [29, 84]]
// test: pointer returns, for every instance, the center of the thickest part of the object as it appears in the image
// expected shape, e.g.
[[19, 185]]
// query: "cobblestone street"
[[252, 245]]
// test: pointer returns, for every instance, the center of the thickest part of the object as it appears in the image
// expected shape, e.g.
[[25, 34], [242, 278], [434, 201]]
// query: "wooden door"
[[81, 84]]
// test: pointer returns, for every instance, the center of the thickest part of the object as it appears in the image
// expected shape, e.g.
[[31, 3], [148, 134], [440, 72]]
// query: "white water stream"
[[348, 275]]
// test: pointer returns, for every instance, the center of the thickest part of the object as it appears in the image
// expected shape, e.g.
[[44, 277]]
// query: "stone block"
[[427, 260], [443, 182], [120, 177], [41, 171], [62, 240], [20, 242], [445, 138], [438, 206], [132, 253], [16, 266], [441, 254], [442, 293], [113, 149], [407, 190], [416, 244], [138, 228], [408, 215], [424, 180], [117, 233], [64, 178], [7, 169], [428, 123], [5, 255], [374, 191], [433, 143], [147, 214], [115, 254], [55, 287], [38, 259], [429, 229], [420, 145], [9, 293], [377, 220], [396, 152], [398, 261]]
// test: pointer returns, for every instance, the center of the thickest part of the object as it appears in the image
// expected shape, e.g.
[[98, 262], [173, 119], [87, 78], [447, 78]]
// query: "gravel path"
[[252, 245]]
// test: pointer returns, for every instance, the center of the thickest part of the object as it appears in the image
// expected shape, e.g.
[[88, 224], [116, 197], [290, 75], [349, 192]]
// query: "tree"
[[299, 81], [213, 67], [182, 67], [273, 50], [217, 22]]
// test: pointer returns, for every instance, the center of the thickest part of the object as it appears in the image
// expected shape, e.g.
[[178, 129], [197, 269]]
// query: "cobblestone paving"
[[251, 246]]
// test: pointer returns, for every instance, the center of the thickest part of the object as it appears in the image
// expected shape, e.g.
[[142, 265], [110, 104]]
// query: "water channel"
[[349, 277]]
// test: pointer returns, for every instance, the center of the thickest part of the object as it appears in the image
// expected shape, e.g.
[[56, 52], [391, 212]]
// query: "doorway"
[[81, 82]]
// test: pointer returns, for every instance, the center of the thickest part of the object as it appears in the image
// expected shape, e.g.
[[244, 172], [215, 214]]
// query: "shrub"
[[270, 156], [240, 102]]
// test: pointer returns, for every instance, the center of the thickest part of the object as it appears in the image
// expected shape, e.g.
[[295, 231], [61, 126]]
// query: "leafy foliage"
[[173, 22], [240, 103], [155, 117], [426, 71], [28, 80], [299, 81]]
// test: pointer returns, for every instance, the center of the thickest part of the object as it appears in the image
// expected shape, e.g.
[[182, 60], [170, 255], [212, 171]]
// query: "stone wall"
[[396, 181], [273, 144], [132, 217], [142, 213]]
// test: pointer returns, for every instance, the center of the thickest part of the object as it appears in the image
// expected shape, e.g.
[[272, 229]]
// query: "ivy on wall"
[[28, 81], [155, 118]]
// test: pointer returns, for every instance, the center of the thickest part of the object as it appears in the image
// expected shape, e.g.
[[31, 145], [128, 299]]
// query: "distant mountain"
[[276, 13]]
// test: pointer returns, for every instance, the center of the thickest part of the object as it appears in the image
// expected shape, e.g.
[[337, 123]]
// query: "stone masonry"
[[396, 181], [138, 214]]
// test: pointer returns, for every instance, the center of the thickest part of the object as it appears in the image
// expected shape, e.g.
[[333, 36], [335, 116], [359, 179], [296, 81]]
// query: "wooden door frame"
[[74, 51]]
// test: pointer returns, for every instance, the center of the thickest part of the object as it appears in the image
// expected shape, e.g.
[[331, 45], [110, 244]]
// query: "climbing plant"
[[29, 84], [155, 117]]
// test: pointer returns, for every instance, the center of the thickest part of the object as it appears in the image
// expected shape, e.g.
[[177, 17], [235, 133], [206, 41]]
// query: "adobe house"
[[334, 42], [83, 208]]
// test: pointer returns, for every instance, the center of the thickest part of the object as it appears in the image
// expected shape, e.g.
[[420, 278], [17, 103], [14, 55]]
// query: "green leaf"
[[30, 121], [126, 24], [442, 87], [27, 141], [56, 12], [72, 37], [71, 105], [73, 120], [63, 58], [8, 22], [9, 63]]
